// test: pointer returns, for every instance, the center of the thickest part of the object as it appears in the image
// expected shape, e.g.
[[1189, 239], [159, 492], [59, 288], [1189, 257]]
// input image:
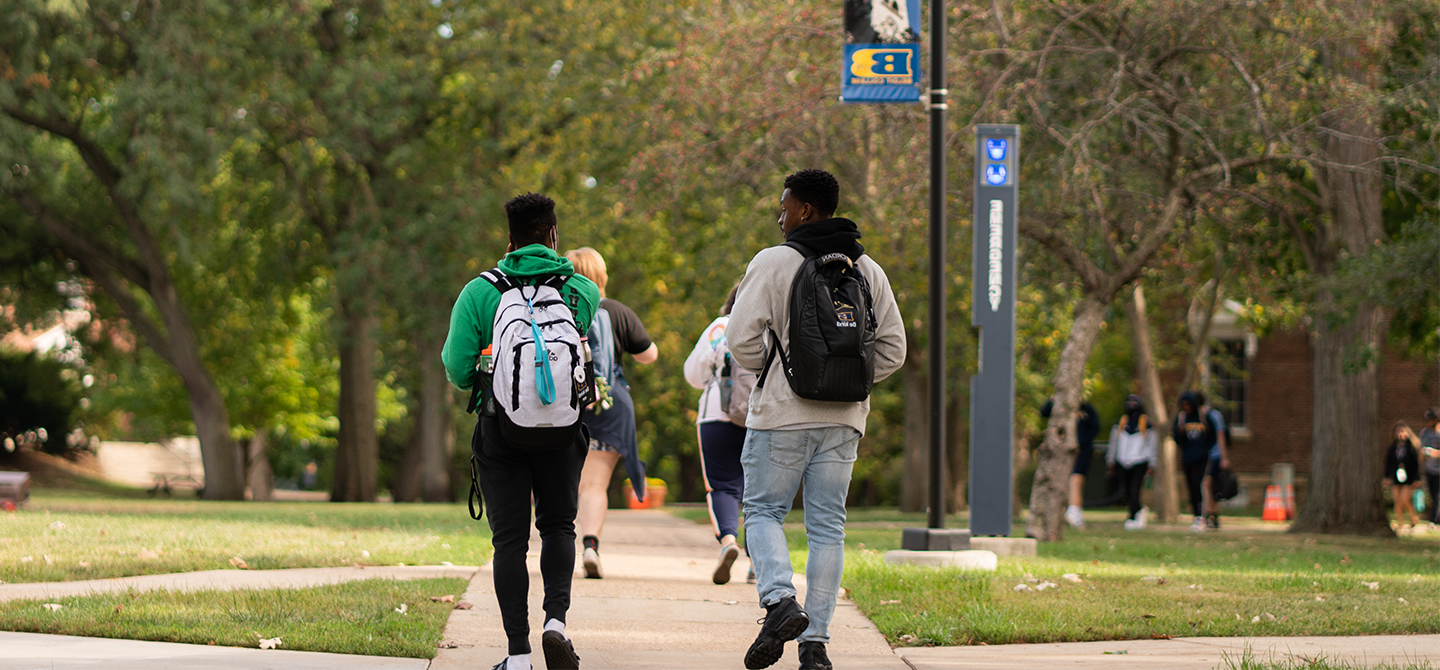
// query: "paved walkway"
[[655, 609], [1188, 653]]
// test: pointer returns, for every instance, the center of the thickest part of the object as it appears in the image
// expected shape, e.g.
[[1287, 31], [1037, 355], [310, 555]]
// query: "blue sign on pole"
[[881, 73]]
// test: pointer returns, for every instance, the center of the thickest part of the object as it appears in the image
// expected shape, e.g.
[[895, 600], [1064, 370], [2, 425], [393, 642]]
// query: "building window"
[[1229, 377]]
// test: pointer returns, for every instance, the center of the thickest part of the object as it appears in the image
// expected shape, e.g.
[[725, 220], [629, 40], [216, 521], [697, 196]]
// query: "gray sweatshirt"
[[764, 303]]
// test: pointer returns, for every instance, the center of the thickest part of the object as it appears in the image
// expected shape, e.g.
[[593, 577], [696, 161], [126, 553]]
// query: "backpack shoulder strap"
[[501, 281], [554, 281]]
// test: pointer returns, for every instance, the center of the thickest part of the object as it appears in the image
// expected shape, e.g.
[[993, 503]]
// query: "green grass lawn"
[[1247, 580], [352, 618], [71, 535]]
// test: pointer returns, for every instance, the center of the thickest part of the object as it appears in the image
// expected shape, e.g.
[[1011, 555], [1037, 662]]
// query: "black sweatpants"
[[509, 476], [1432, 482], [1132, 479], [1194, 476], [720, 446]]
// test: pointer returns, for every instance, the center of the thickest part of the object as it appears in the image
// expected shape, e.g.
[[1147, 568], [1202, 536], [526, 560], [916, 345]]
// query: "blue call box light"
[[995, 148], [995, 174]]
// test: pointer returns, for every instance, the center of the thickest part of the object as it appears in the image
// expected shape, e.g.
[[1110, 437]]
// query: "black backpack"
[[832, 331]]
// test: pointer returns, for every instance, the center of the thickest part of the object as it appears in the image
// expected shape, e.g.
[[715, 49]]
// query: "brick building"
[[1264, 388]]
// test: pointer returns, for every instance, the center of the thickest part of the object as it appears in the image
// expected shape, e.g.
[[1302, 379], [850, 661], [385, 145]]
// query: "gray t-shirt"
[[1430, 439]]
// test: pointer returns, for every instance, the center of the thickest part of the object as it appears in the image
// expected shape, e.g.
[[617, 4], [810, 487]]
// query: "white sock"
[[1072, 508], [557, 626], [518, 662]]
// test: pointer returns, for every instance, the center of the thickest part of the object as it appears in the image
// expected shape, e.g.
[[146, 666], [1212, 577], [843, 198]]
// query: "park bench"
[[168, 481]]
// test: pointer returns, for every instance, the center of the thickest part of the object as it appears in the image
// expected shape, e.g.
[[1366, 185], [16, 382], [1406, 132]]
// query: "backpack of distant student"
[[540, 380], [602, 343], [832, 330], [735, 384]]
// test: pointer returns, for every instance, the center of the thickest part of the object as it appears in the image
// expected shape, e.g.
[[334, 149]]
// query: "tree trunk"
[[957, 454], [1167, 498], [357, 454], [437, 429], [406, 487], [1057, 452], [1345, 493], [915, 484], [258, 475]]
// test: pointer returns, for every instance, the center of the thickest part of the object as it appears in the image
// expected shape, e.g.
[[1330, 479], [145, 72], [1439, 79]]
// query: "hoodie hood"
[[536, 259], [829, 236], [1134, 408], [1194, 400]]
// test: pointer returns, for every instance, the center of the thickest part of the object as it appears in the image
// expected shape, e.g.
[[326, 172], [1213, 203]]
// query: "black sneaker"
[[1213, 522], [784, 621], [812, 656], [501, 665], [559, 652]]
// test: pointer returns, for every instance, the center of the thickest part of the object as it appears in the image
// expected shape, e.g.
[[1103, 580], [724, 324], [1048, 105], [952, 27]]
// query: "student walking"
[[616, 331], [1402, 469], [1430, 450], [1219, 461], [720, 426], [1195, 433], [529, 442], [1133, 445], [1087, 428], [816, 319]]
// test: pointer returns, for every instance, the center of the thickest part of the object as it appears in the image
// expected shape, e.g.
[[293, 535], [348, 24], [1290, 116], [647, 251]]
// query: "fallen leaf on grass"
[[1045, 585], [53, 607], [442, 599], [25, 559], [58, 525], [447, 564], [448, 644], [1319, 599], [1161, 636], [1264, 616], [1072, 577], [84, 564], [1402, 600], [1031, 578], [146, 554], [1371, 585], [239, 563], [364, 554], [1022, 587], [464, 605], [1345, 559], [908, 639], [1196, 587], [271, 643], [889, 602], [403, 608]]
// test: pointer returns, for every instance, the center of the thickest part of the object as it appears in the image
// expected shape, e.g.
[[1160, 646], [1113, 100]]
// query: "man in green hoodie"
[[511, 477]]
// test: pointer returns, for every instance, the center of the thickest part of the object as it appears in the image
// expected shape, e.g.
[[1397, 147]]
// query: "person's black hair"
[[531, 217], [817, 187]]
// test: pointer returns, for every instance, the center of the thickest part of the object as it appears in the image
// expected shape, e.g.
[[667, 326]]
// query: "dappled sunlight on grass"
[[65, 537]]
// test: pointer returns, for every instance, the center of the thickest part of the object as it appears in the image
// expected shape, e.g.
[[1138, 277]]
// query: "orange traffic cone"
[[1289, 501], [1274, 505]]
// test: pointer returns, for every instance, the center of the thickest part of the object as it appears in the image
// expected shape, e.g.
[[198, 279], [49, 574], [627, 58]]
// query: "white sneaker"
[[1133, 524], [1140, 517], [1074, 517], [591, 558], [1199, 525]]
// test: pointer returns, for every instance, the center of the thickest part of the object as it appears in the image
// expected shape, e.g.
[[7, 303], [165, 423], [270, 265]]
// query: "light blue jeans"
[[776, 462]]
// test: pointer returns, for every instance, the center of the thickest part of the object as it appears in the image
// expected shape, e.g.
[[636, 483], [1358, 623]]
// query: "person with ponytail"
[[1133, 445]]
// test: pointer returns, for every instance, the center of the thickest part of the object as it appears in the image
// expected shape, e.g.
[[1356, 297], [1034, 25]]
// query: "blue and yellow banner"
[[882, 61]]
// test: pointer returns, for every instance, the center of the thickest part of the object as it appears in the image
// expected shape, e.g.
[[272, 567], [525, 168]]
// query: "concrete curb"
[[30, 651]]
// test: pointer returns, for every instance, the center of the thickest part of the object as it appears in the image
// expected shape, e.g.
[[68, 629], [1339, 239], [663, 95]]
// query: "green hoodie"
[[474, 314]]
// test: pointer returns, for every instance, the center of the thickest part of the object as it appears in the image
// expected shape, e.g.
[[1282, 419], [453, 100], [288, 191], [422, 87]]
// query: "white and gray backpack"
[[539, 369]]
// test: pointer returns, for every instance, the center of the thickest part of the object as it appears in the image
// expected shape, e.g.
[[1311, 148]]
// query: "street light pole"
[[936, 356]]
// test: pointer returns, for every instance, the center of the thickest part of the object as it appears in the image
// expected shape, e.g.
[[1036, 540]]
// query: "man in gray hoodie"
[[792, 439]]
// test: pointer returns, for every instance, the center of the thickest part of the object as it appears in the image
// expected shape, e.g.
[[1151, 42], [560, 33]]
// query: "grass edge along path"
[[373, 617]]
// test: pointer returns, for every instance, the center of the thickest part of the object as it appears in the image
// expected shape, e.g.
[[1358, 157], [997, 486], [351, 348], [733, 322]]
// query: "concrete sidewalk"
[[28, 651], [229, 580], [655, 609], [1187, 653]]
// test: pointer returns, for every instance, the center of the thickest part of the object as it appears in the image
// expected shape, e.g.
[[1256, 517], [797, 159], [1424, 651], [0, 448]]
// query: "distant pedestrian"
[[1133, 446], [615, 331], [529, 444], [818, 349], [720, 426], [1219, 461], [1087, 428], [1430, 449], [1402, 470], [1195, 433]]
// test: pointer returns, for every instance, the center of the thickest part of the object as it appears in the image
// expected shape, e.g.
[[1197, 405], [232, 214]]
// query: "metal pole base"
[[935, 539]]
